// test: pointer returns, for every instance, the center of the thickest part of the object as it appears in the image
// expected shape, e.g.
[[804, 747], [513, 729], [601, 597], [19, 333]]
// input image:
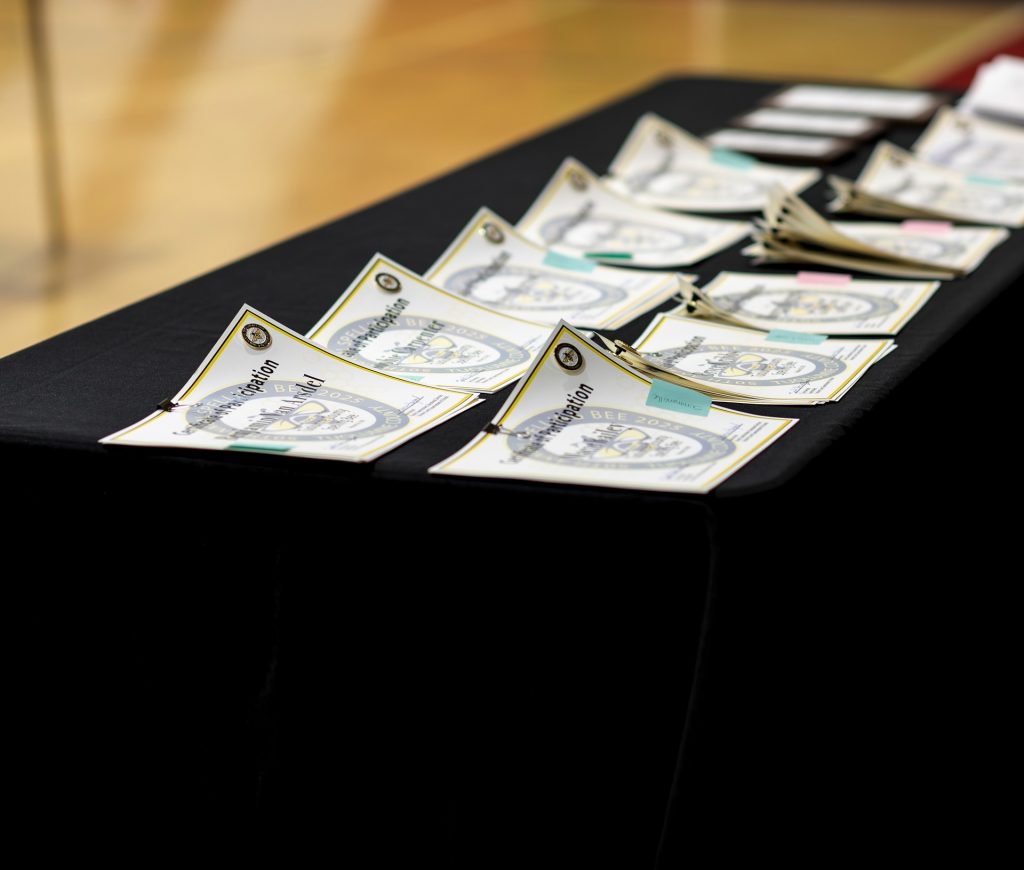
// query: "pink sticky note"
[[933, 227], [831, 278]]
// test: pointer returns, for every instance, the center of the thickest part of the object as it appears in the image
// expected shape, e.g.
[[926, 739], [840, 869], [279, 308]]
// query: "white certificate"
[[751, 362], [662, 165], [578, 214], [265, 388], [877, 102], [492, 264], [973, 145], [582, 416], [819, 123], [781, 144], [959, 248], [896, 176], [819, 302], [997, 90], [393, 321]]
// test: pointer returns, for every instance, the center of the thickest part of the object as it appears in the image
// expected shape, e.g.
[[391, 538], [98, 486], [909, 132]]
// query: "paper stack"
[[826, 303], [747, 366], [392, 321], [493, 265], [582, 416], [662, 165], [793, 232], [265, 389], [896, 184], [579, 215]]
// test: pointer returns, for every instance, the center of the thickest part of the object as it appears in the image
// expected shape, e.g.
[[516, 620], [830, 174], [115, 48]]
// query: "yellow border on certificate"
[[912, 306], [247, 315], [640, 305], [645, 127], [781, 400], [915, 306], [989, 239], [553, 188], [391, 265], [727, 228], [784, 422], [886, 152]]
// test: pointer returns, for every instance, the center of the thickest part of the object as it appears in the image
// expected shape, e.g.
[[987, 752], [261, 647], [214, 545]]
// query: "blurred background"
[[143, 142]]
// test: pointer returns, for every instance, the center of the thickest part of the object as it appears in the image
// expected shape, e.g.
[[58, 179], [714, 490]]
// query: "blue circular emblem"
[[611, 438]]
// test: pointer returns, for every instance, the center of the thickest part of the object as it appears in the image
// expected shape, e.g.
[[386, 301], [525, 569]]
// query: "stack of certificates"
[[792, 232], [896, 184], [973, 145], [662, 165], [827, 303], [494, 265], [582, 415], [399, 353], [580, 215], [747, 366]]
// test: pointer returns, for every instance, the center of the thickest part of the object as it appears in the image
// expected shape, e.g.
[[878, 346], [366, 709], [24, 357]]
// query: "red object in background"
[[960, 78]]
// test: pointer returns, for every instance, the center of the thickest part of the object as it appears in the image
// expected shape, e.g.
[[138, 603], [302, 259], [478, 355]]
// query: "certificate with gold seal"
[[395, 322], [582, 416], [768, 368], [580, 215], [264, 388], [492, 264]]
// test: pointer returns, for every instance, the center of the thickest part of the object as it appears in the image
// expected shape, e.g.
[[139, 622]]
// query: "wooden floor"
[[193, 131]]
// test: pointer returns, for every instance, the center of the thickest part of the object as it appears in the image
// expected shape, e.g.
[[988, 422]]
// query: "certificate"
[[581, 416], [393, 321], [974, 145], [960, 249], [492, 264], [265, 388], [757, 365], [896, 184], [579, 215], [662, 165], [818, 302], [793, 232]]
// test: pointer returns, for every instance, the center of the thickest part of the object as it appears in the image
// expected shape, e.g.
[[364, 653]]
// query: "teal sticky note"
[[732, 159], [985, 179], [262, 448], [416, 378], [610, 255], [670, 397], [795, 337], [561, 261]]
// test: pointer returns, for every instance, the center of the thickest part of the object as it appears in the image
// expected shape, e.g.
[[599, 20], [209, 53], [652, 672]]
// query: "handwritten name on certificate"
[[265, 388], [757, 364], [581, 416], [393, 321]]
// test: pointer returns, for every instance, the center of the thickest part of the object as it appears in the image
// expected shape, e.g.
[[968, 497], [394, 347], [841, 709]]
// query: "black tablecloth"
[[589, 674]]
